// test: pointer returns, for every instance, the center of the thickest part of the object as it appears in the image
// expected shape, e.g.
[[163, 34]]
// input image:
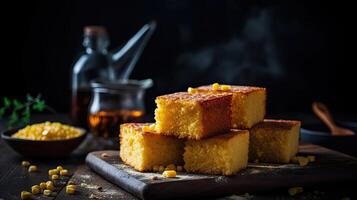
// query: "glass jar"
[[114, 103]]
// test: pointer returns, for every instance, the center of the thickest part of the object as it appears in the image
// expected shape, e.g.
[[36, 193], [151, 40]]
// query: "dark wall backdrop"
[[297, 49]]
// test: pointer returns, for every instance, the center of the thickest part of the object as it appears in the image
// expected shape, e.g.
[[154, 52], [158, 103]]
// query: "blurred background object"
[[297, 49]]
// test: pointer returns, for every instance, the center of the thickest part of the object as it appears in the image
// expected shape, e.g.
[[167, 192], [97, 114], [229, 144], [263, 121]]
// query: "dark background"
[[297, 49]]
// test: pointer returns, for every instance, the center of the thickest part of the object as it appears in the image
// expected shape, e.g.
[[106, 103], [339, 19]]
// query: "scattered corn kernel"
[[50, 186], [225, 87], [33, 168], [311, 158], [191, 90], [35, 189], [303, 161], [47, 192], [54, 177], [25, 195], [53, 172], [64, 172], [155, 168], [170, 167], [161, 168], [25, 163], [43, 185], [169, 173], [215, 86], [295, 190], [179, 168], [59, 168], [70, 189]]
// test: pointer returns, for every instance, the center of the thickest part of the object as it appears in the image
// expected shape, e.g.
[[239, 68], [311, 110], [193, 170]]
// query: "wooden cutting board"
[[330, 167]]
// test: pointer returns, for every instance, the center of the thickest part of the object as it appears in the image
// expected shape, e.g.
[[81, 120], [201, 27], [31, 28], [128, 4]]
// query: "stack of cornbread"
[[209, 129]]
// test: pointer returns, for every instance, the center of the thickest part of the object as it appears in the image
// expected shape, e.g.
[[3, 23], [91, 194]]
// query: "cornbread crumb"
[[161, 168], [25, 163], [169, 173], [25, 195], [191, 90], [303, 161], [33, 168], [225, 87], [104, 155], [47, 131], [295, 190], [311, 158]]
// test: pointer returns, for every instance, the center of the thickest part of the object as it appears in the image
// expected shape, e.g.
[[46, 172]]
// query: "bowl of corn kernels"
[[47, 139]]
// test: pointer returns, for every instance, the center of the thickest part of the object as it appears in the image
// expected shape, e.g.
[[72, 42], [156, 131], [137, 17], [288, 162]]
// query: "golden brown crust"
[[185, 96], [234, 88], [226, 136], [277, 124]]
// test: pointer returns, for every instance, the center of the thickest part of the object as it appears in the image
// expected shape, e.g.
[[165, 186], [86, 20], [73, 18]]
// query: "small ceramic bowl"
[[318, 133], [35, 148]]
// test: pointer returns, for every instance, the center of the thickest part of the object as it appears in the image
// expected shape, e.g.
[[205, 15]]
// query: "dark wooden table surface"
[[14, 178]]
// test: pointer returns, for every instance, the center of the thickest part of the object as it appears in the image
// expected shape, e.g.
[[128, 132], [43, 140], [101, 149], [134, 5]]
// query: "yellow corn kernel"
[[43, 185], [155, 168], [303, 161], [35, 189], [170, 167], [295, 190], [191, 90], [47, 192], [169, 174], [54, 177], [215, 86], [59, 168], [25, 195], [33, 168], [161, 168], [50, 186], [179, 168], [225, 87], [70, 189], [311, 158], [52, 172], [25, 163], [64, 172]]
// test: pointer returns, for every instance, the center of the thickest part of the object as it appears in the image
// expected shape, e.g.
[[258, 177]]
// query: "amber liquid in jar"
[[80, 103], [107, 123]]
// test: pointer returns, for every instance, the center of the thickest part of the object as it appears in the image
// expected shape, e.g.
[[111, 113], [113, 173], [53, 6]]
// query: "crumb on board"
[[295, 190], [104, 155]]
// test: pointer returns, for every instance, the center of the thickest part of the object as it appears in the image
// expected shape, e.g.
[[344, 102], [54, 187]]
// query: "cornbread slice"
[[224, 154], [274, 141], [193, 116], [143, 150], [248, 103]]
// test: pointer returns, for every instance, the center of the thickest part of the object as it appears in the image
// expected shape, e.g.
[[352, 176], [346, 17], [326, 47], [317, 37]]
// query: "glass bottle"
[[92, 64]]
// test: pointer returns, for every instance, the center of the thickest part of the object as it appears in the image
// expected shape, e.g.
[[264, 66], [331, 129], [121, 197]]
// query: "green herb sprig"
[[20, 113]]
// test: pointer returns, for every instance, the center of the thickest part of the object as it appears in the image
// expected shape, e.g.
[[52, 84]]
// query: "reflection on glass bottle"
[[92, 64]]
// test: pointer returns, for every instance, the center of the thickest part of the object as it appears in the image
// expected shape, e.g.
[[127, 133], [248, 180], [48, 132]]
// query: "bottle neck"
[[97, 44]]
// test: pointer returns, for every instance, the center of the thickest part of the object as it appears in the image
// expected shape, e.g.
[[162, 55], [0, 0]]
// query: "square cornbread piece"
[[223, 154], [143, 150], [248, 103], [193, 116], [274, 141]]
